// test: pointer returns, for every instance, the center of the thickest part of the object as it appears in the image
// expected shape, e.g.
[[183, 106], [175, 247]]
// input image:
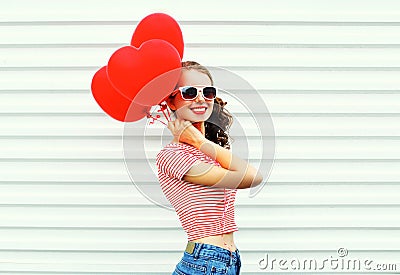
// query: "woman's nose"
[[200, 97]]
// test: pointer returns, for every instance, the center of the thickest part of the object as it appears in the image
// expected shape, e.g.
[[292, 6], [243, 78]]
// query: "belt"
[[190, 247]]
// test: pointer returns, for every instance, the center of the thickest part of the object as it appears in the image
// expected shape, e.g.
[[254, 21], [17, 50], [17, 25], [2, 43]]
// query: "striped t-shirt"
[[200, 208]]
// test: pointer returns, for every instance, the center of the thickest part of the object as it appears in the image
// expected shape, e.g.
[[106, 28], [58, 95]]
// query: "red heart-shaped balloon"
[[114, 103], [155, 91], [130, 69], [158, 26]]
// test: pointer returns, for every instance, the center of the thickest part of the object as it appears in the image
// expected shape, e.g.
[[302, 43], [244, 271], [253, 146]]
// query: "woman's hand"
[[234, 173], [184, 131]]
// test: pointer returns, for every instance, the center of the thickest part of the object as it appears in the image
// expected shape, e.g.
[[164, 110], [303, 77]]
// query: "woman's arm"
[[235, 172]]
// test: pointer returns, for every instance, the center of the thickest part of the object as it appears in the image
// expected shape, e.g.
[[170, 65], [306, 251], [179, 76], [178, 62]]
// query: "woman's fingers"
[[180, 123], [178, 129], [176, 126]]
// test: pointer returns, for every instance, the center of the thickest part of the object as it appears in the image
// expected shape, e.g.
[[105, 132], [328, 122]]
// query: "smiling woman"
[[200, 176], [328, 71], [197, 107], [217, 125]]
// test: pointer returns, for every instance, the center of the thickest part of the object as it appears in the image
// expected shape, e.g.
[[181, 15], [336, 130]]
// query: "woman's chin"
[[196, 118]]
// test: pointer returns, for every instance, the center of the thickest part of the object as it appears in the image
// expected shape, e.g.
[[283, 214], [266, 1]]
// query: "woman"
[[200, 176]]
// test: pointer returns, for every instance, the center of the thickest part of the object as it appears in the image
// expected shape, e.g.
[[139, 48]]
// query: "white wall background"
[[328, 71]]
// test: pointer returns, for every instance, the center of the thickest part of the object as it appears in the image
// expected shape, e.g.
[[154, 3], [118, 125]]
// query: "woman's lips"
[[199, 110]]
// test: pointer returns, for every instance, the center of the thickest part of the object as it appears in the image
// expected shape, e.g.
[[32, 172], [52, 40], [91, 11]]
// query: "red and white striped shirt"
[[200, 208]]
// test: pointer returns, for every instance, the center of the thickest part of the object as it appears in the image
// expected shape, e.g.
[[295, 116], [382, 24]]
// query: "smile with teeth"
[[199, 110]]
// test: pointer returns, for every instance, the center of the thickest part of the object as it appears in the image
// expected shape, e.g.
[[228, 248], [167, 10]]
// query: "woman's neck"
[[199, 126]]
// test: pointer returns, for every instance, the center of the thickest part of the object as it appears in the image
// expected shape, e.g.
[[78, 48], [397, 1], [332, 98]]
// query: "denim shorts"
[[209, 259]]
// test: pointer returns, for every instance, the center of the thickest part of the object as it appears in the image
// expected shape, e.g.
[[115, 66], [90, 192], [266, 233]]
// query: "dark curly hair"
[[218, 124]]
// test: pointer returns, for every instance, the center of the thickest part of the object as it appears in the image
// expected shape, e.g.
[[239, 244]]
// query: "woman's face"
[[196, 110]]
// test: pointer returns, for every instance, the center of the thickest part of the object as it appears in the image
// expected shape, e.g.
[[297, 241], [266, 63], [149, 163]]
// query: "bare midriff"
[[222, 240]]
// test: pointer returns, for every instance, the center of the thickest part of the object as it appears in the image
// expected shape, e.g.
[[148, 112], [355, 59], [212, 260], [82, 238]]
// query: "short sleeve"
[[175, 162]]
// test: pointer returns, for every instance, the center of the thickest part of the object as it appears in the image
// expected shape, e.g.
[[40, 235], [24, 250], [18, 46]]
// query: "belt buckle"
[[190, 247]]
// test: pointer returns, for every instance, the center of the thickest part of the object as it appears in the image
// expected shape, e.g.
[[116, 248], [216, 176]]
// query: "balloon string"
[[169, 114], [148, 115], [164, 109], [166, 114]]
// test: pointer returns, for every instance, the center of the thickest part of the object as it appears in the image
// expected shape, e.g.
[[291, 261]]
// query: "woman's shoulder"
[[178, 147], [183, 151]]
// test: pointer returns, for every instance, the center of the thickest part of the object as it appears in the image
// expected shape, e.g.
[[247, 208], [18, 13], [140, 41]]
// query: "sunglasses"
[[191, 92]]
